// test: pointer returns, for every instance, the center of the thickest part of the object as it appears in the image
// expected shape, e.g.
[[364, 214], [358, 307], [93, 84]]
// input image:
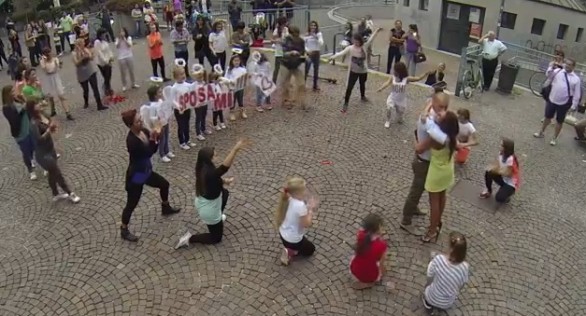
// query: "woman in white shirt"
[[125, 58], [314, 41], [105, 57], [292, 217], [446, 275], [281, 31], [219, 43]]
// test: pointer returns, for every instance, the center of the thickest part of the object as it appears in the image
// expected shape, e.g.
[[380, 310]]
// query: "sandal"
[[485, 195]]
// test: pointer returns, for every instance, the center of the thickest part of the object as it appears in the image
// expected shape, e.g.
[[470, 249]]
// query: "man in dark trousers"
[[492, 49]]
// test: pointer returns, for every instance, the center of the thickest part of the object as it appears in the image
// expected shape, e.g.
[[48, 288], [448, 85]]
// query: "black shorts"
[[559, 111]]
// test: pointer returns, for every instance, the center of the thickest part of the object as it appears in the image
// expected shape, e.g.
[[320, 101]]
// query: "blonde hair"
[[177, 71], [293, 185]]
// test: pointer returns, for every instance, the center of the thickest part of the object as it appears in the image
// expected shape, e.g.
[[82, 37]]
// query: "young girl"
[[314, 41], [201, 111], [235, 70], [398, 97], [261, 68], [219, 43], [466, 136], [181, 111], [52, 83], [446, 275], [214, 80], [505, 172], [367, 264], [292, 217], [125, 58], [152, 113], [357, 70]]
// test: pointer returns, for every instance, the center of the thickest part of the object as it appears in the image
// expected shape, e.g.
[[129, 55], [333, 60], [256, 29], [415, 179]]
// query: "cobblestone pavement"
[[527, 258]]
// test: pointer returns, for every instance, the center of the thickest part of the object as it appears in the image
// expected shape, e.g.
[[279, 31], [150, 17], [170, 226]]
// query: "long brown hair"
[[293, 185], [204, 162], [7, 97], [450, 125], [458, 247], [371, 224]]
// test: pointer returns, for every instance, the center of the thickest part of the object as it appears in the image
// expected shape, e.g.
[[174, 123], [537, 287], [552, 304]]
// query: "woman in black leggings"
[[86, 73], [505, 172], [211, 196], [141, 144]]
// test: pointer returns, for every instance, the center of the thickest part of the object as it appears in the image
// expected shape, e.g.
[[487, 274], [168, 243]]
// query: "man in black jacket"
[[293, 57]]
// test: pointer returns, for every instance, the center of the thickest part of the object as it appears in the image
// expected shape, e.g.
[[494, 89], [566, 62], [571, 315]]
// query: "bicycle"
[[472, 79], [538, 78]]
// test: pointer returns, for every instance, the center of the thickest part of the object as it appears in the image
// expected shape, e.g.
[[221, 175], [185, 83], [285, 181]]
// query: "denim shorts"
[[559, 111]]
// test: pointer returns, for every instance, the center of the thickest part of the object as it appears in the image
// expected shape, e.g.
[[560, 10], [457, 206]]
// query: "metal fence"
[[532, 65]]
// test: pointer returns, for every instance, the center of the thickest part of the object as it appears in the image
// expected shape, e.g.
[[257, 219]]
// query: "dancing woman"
[[141, 145], [125, 58], [279, 34], [357, 70], [86, 73], [42, 129], [314, 41], [19, 122], [440, 175], [52, 83], [105, 60], [211, 196], [201, 36]]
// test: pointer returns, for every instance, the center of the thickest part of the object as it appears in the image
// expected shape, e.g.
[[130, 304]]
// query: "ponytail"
[[364, 244], [281, 210]]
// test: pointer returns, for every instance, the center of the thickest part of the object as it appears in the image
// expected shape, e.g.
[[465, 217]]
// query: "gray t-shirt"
[[85, 70], [358, 60]]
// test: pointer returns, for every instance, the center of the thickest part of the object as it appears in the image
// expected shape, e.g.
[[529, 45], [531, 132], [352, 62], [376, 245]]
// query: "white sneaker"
[[285, 257], [33, 176], [223, 217], [208, 132], [184, 146], [192, 144], [74, 198], [218, 128], [223, 126], [538, 135], [135, 86], [45, 173], [387, 124], [123, 89], [200, 137], [165, 159], [183, 241], [170, 155], [33, 164], [553, 142], [60, 197]]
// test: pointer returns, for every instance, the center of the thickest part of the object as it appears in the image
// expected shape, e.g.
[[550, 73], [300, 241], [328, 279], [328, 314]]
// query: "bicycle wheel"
[[467, 84], [536, 82]]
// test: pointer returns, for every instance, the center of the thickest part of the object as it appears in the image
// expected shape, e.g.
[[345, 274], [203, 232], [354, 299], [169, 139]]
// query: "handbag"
[[420, 57]]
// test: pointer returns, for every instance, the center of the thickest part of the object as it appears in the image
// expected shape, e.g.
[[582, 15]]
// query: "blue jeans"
[[138, 32], [261, 97], [27, 148], [410, 63], [164, 141], [200, 119]]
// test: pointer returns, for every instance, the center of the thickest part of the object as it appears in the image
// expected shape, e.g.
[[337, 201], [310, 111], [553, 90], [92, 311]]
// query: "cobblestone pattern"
[[60, 259]]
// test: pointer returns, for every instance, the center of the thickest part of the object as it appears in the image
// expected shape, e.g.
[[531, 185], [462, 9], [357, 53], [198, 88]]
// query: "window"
[[423, 5], [508, 20], [562, 30], [406, 3], [579, 34], [537, 26]]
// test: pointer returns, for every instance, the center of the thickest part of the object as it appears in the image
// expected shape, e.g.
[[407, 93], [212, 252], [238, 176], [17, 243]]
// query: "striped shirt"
[[447, 281]]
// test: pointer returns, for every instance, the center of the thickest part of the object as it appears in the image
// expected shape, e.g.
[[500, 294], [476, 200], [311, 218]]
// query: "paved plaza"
[[527, 258]]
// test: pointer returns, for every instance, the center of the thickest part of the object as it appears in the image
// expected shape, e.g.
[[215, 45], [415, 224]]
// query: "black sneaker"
[[53, 114], [86, 105], [364, 100], [69, 117], [127, 235], [167, 209], [102, 108]]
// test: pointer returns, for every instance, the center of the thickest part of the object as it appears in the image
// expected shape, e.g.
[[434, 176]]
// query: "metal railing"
[[529, 61]]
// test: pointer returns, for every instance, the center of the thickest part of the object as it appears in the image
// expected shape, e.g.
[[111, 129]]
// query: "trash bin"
[[507, 77]]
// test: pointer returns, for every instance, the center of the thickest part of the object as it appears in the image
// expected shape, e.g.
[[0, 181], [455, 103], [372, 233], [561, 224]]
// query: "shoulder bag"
[[546, 89]]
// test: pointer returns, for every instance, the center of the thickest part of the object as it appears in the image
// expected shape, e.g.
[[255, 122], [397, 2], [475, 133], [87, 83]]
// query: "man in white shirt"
[[566, 92], [492, 49], [426, 127]]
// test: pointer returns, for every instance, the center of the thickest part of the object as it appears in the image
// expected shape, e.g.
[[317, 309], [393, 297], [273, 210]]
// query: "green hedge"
[[123, 6], [48, 15]]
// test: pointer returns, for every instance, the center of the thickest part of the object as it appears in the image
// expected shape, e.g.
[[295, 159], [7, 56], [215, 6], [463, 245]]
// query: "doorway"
[[460, 24]]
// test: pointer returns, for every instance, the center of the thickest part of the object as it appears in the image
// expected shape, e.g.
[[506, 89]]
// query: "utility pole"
[[500, 17]]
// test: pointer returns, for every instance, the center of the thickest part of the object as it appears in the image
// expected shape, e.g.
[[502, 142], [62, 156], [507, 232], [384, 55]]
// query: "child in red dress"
[[367, 264]]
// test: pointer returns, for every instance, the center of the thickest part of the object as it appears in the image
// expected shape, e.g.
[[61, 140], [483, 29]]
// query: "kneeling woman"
[[141, 144], [505, 172], [211, 196], [292, 217]]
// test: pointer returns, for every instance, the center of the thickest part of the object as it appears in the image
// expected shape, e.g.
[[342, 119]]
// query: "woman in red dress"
[[367, 264]]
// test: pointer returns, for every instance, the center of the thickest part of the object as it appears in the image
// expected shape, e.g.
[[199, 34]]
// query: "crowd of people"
[[443, 138]]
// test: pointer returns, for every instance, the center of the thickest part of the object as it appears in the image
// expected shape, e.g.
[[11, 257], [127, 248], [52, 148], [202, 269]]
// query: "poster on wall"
[[474, 15], [453, 11], [475, 30]]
